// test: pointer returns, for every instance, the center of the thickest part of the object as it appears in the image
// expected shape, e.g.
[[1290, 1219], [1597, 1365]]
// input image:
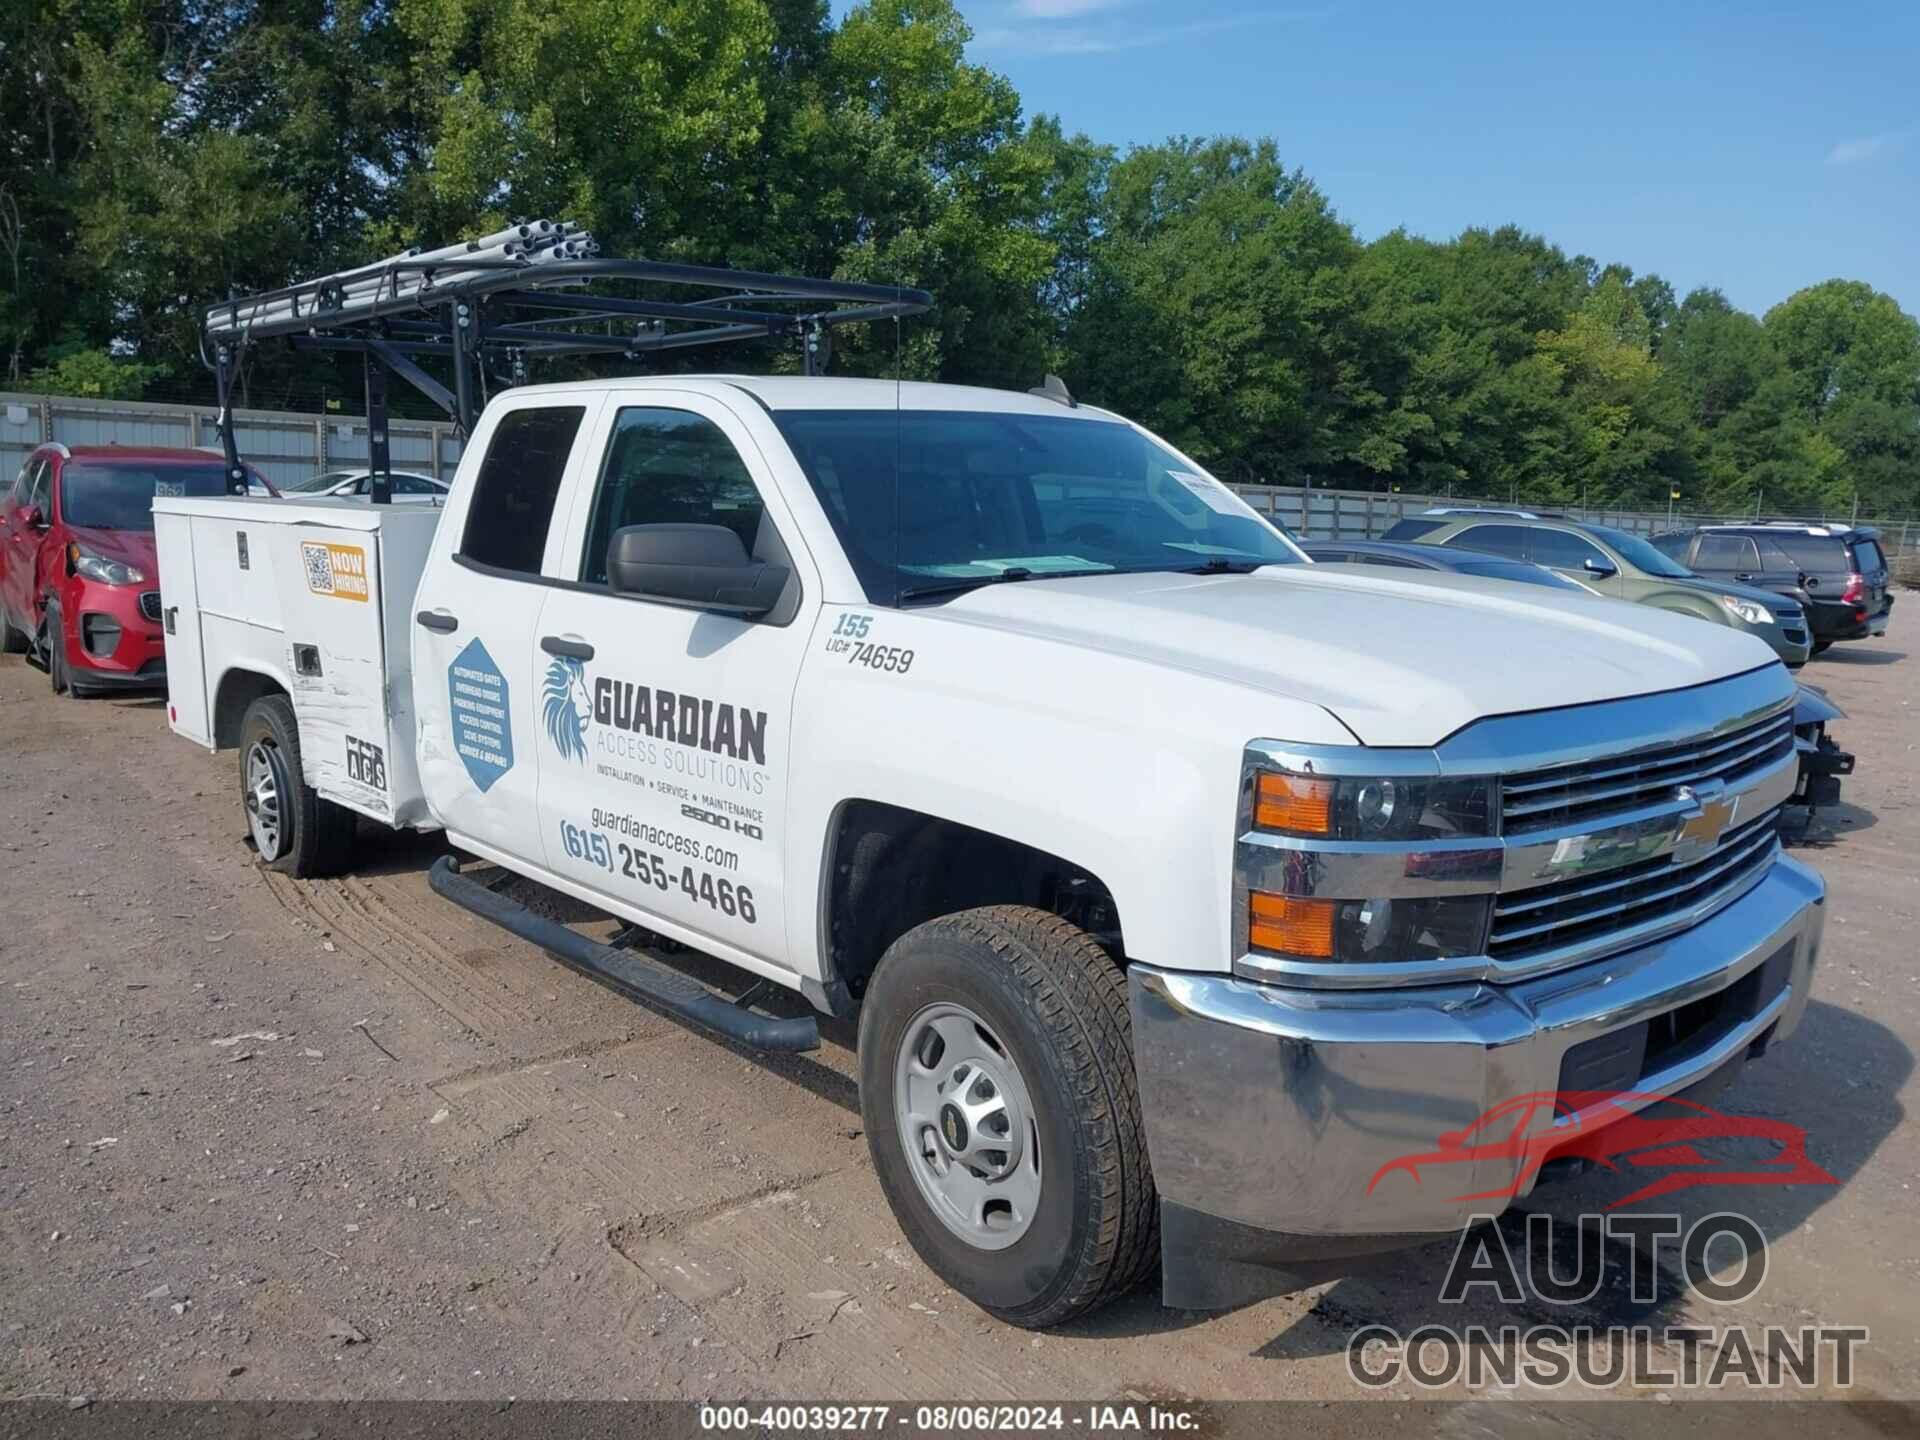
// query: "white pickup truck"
[[1180, 886]]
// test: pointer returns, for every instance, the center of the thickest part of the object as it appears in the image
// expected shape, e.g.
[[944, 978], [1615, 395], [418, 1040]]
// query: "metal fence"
[[283, 445], [287, 446], [1360, 515]]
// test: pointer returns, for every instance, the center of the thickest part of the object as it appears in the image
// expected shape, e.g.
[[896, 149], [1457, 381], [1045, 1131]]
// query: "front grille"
[[1602, 789], [1589, 908], [150, 604]]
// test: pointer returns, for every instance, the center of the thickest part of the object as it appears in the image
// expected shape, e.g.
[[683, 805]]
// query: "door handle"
[[437, 621], [566, 649]]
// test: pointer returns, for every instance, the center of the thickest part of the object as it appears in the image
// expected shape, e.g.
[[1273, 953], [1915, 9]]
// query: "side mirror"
[[1600, 569], [34, 518], [698, 565]]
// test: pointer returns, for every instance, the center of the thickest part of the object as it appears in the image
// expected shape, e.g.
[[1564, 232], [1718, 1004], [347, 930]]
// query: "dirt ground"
[[268, 1138]]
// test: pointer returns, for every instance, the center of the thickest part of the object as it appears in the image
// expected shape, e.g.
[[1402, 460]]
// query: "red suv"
[[78, 579]]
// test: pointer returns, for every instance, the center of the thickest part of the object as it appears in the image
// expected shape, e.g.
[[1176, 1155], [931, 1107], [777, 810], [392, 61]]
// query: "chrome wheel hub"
[[967, 1125], [263, 798]]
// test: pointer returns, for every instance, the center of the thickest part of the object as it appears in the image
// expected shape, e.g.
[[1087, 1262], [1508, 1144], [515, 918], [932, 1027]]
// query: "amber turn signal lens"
[[1290, 925], [1293, 803]]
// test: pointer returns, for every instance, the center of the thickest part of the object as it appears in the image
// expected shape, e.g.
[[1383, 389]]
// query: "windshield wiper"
[[974, 582], [1221, 565]]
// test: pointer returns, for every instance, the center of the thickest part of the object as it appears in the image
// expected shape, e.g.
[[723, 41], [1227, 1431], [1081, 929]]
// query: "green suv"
[[1612, 562]]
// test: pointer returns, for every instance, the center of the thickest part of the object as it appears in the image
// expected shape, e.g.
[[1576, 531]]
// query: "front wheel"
[[1002, 1114], [295, 831], [59, 674]]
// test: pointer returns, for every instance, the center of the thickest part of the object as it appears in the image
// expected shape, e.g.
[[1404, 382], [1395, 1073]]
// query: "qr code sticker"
[[319, 568]]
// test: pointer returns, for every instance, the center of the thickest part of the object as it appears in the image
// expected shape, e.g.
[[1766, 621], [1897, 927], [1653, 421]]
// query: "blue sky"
[[1755, 147]]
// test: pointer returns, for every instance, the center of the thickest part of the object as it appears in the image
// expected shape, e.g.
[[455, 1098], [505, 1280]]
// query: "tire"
[[12, 641], [295, 831], [56, 651], [1052, 1036], [1819, 646]]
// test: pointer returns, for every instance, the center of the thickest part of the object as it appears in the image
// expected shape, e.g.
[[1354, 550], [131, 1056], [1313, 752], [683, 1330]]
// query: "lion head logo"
[[567, 707]]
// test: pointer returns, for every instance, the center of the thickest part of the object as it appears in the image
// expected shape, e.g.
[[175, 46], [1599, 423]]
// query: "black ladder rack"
[[486, 307]]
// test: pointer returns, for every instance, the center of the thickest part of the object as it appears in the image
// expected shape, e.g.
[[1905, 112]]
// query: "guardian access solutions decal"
[[625, 721]]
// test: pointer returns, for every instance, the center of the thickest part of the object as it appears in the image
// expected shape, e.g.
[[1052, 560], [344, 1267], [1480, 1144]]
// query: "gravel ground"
[[276, 1139]]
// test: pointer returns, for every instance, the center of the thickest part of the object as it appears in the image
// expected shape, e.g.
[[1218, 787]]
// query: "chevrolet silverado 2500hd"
[[1178, 885]]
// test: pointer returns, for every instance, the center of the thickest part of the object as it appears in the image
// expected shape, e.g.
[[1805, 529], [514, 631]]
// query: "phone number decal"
[[696, 883]]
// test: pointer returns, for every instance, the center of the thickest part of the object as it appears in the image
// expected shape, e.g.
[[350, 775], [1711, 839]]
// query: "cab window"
[[669, 467], [1564, 550], [1509, 540], [512, 505]]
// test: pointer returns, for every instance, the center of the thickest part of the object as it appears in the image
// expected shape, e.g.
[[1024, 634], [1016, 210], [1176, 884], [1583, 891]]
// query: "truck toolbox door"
[[664, 737], [188, 705], [475, 625]]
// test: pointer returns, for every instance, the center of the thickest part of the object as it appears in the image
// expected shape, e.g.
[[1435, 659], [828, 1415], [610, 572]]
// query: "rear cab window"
[[511, 509]]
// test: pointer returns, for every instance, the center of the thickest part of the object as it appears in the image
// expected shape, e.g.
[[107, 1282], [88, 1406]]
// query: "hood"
[[1398, 662], [133, 547], [1706, 585]]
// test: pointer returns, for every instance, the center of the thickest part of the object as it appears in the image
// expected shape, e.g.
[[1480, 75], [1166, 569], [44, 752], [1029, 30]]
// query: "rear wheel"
[[997, 1084], [295, 831], [12, 641]]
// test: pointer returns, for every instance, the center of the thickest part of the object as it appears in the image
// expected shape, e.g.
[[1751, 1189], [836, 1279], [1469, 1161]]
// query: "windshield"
[[987, 496], [1639, 554], [313, 484], [120, 496]]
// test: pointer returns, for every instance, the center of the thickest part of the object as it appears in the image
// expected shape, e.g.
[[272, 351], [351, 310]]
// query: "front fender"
[[1114, 763]]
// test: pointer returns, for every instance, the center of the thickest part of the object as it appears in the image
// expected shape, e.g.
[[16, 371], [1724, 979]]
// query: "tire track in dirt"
[[477, 1003]]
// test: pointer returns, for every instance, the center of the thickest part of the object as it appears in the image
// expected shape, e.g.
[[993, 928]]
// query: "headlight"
[[107, 572], [1363, 932], [1399, 807], [1746, 610]]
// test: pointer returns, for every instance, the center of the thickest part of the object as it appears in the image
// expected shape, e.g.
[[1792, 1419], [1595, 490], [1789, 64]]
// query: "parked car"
[[1437, 557], [1627, 567], [1837, 573], [1412, 527], [1822, 761], [408, 485], [79, 584]]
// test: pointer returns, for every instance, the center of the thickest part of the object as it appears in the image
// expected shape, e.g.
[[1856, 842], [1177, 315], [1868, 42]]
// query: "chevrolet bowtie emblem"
[[1708, 815]]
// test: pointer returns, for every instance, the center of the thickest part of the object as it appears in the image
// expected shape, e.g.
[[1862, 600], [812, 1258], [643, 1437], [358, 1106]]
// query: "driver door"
[[665, 753]]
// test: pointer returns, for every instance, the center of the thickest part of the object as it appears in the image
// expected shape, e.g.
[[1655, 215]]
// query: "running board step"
[[624, 972]]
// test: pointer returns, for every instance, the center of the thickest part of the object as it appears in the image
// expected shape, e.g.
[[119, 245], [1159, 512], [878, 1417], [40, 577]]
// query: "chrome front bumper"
[[1270, 1108]]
